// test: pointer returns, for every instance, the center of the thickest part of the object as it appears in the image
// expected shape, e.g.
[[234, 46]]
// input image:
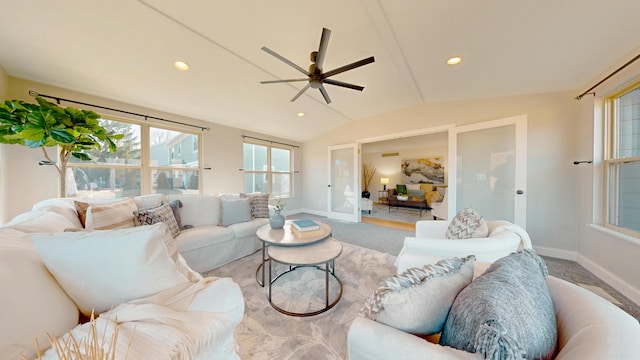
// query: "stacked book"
[[306, 228]]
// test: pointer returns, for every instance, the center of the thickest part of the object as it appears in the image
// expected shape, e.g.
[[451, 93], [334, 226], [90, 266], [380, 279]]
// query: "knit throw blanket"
[[157, 327]]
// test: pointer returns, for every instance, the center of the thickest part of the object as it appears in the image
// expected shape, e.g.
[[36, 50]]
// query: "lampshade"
[[384, 181]]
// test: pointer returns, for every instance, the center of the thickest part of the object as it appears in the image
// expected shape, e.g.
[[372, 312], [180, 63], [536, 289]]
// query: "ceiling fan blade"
[[322, 49], [353, 65], [325, 94], [300, 92], [343, 84], [282, 81], [285, 60]]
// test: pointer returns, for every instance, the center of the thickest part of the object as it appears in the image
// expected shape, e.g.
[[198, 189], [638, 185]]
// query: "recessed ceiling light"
[[181, 65], [454, 60], [300, 114]]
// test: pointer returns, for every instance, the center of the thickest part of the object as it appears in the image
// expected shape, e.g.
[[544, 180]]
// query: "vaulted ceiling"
[[125, 50]]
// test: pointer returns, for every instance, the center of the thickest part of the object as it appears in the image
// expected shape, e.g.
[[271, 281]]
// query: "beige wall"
[[4, 89], [28, 183], [552, 147]]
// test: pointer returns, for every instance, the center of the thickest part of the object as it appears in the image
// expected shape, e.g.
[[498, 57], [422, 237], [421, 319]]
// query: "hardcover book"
[[305, 225], [307, 234]]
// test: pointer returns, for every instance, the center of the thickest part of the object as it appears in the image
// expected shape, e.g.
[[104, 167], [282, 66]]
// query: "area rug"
[[407, 215], [267, 334]]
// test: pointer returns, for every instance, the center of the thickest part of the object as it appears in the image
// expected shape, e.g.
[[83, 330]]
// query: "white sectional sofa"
[[41, 297]]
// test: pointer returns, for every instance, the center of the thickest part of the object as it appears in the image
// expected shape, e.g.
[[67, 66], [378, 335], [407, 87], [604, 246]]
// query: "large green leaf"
[[33, 134], [34, 144], [63, 136], [81, 156]]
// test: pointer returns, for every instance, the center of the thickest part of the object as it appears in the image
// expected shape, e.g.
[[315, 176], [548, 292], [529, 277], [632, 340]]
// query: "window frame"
[[145, 167], [612, 160], [269, 172]]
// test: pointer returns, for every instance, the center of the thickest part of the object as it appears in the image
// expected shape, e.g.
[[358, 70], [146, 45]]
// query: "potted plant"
[[368, 170], [46, 124]]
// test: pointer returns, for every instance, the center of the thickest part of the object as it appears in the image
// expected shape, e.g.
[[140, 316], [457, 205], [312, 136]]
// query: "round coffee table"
[[314, 255], [284, 237]]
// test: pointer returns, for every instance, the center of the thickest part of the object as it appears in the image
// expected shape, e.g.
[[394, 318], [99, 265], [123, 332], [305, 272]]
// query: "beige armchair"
[[440, 209]]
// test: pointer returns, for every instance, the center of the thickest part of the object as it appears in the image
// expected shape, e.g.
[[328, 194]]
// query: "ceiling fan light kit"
[[316, 78]]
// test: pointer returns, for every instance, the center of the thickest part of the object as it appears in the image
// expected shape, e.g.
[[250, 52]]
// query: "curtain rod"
[[58, 99], [269, 141], [579, 97]]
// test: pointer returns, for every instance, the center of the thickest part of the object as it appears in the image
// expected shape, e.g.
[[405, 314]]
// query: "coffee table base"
[[328, 269]]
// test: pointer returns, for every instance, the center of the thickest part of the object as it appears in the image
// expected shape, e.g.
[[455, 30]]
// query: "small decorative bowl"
[[403, 197]]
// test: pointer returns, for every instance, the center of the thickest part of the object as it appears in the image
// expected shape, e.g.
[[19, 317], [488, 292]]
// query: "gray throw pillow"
[[418, 300], [506, 313], [175, 205], [162, 213], [235, 210]]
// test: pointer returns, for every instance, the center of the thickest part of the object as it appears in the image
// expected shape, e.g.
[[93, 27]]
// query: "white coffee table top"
[[313, 254], [286, 237]]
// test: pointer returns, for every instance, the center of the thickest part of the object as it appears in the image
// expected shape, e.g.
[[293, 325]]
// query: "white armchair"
[[429, 245], [440, 209]]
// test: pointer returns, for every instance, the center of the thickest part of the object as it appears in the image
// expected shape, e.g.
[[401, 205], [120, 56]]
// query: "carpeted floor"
[[266, 334]]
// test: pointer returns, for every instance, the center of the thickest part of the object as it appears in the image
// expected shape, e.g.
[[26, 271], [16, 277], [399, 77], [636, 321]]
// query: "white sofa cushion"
[[41, 221], [32, 302], [203, 236], [198, 210], [101, 269], [248, 228]]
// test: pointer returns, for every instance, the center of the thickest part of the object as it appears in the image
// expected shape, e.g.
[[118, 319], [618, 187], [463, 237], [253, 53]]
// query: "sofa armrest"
[[370, 340], [590, 327], [417, 252]]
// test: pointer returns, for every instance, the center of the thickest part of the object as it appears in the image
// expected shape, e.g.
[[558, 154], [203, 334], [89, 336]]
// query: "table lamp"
[[384, 182]]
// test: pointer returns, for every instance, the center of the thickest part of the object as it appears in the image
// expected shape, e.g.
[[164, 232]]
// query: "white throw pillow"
[[117, 215], [101, 269], [467, 224]]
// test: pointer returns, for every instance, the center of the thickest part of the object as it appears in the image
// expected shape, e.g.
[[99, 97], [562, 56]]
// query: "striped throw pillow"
[[117, 215]]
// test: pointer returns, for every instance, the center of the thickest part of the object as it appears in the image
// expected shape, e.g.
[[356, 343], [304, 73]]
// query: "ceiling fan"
[[315, 77]]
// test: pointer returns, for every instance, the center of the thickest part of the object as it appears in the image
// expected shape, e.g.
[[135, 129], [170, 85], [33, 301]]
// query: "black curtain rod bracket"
[[146, 117], [269, 141], [582, 162]]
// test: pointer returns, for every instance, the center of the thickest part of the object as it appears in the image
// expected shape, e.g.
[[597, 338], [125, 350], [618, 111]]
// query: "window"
[[267, 169], [138, 167], [622, 162]]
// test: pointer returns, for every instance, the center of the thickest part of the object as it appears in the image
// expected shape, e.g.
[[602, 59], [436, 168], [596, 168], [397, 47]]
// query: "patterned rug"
[[267, 334]]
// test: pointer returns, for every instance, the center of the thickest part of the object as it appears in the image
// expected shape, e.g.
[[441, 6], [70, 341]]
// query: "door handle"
[[519, 192]]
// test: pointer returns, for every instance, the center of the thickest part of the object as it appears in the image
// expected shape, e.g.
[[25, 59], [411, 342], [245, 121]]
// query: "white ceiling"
[[125, 50]]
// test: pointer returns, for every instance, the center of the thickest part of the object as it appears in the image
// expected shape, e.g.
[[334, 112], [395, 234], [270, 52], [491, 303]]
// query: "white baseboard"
[[615, 282], [556, 253]]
